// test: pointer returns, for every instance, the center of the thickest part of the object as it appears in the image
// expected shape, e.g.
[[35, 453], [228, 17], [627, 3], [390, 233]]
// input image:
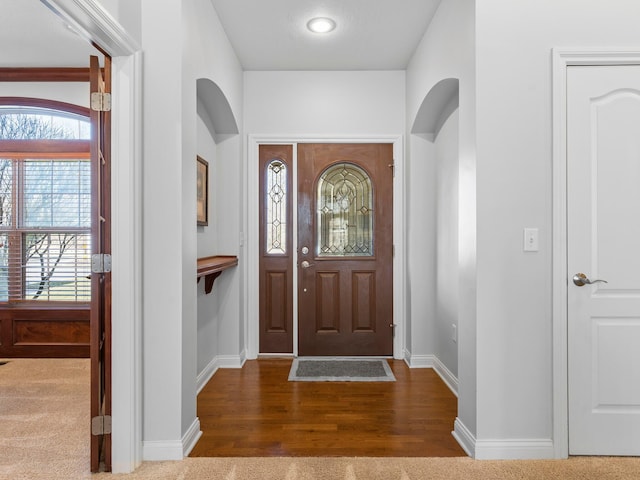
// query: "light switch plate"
[[531, 243]]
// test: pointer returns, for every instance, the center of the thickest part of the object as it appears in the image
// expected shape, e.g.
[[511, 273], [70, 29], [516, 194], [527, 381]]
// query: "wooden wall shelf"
[[211, 267]]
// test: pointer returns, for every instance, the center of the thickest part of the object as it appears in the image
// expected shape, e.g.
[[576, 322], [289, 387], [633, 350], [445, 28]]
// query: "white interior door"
[[603, 197]]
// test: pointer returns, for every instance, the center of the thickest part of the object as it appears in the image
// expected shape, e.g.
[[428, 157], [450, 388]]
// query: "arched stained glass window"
[[276, 206], [345, 212]]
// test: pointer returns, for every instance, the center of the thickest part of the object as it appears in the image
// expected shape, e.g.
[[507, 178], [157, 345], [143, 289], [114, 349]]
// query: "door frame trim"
[[251, 268], [95, 24], [562, 59]]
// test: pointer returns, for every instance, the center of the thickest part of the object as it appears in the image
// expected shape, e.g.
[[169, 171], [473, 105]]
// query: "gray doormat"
[[340, 370]]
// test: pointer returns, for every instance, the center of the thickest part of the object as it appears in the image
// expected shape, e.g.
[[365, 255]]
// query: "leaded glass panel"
[[345, 212], [276, 208]]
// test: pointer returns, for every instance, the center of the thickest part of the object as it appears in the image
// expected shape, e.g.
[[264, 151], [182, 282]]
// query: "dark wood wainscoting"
[[41, 332]]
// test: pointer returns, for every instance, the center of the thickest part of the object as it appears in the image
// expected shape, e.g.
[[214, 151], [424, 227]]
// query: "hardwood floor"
[[256, 411]]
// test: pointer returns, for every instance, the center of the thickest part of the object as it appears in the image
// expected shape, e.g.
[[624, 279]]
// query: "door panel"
[[100, 317], [276, 243], [345, 249], [603, 172]]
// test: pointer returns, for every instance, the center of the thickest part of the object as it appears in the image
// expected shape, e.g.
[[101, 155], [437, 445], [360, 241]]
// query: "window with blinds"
[[45, 208]]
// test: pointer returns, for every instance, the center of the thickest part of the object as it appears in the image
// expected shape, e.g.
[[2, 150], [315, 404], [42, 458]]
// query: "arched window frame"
[[14, 236]]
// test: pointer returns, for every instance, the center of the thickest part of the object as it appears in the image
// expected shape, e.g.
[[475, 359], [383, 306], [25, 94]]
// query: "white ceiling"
[[370, 34], [266, 34], [33, 36]]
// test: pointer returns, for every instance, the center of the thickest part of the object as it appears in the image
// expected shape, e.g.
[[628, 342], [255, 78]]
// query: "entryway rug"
[[340, 370]]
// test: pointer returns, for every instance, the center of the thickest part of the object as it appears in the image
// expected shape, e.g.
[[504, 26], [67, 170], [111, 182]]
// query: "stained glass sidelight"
[[276, 206], [345, 212]]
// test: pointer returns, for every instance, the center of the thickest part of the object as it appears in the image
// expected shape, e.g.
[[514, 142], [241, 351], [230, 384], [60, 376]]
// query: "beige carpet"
[[385, 469], [44, 416]]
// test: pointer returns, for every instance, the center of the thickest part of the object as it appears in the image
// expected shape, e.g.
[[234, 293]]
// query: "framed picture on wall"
[[202, 188]]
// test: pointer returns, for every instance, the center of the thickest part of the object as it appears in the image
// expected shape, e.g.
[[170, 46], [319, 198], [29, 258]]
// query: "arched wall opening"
[[217, 143], [433, 239]]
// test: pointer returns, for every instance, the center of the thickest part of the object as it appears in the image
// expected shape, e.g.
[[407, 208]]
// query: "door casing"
[[252, 215], [563, 58], [126, 208]]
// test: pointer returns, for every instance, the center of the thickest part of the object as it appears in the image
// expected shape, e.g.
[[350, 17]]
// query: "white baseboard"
[[431, 361], [464, 437], [191, 437], [220, 361], [445, 374], [231, 361], [205, 375], [158, 450], [515, 449], [161, 450], [418, 361], [502, 449]]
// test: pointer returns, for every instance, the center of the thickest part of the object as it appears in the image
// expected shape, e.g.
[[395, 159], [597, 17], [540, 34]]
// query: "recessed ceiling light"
[[321, 25]]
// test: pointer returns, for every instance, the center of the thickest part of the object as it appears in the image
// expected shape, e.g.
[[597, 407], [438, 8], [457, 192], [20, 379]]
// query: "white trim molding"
[[205, 375], [432, 361], [251, 270], [191, 437], [502, 449], [231, 361], [464, 437], [162, 450], [219, 361], [126, 238], [514, 449], [563, 58], [95, 24], [165, 450]]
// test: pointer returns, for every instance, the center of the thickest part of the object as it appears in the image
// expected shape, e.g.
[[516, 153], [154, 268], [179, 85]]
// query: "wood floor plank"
[[256, 411]]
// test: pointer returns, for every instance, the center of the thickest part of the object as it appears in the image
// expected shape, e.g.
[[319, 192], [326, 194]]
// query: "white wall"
[[162, 227], [195, 48], [341, 103], [206, 145], [76, 93], [220, 337], [207, 246], [447, 50], [447, 298], [514, 185], [212, 57], [421, 247]]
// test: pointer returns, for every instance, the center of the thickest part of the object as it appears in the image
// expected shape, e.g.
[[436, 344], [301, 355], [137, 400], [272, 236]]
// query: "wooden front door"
[[345, 249], [100, 350]]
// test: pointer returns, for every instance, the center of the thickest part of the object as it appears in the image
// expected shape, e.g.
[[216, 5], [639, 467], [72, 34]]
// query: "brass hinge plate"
[[101, 425], [100, 102], [100, 263]]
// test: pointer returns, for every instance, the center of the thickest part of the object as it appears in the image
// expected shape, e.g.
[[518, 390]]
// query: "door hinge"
[[100, 102], [100, 263], [101, 425]]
